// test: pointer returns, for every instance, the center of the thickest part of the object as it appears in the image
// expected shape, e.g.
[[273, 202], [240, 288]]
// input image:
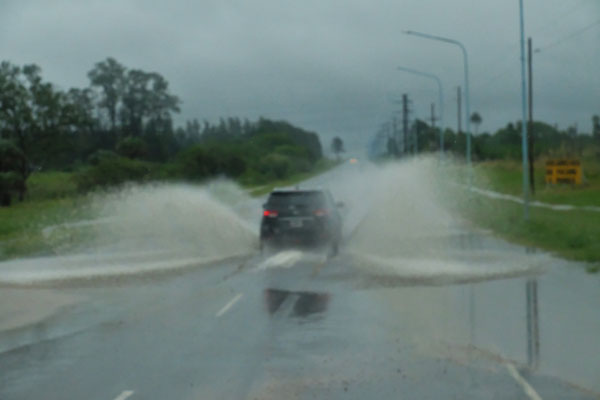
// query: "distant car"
[[301, 217]]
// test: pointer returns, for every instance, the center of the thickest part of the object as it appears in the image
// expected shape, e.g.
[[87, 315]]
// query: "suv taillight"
[[321, 212], [270, 213]]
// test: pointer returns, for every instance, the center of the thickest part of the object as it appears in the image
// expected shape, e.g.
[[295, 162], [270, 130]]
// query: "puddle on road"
[[296, 304]]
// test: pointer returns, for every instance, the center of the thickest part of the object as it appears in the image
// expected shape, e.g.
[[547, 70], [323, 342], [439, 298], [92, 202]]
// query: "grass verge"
[[569, 234], [22, 225], [506, 177], [321, 167]]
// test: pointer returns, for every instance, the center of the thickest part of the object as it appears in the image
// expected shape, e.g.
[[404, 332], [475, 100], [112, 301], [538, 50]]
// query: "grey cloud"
[[326, 65]]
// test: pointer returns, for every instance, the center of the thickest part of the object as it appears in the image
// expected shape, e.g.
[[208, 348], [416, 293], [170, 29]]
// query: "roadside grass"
[[50, 185], [573, 234], [506, 177], [322, 166], [570, 234], [51, 199], [22, 224]]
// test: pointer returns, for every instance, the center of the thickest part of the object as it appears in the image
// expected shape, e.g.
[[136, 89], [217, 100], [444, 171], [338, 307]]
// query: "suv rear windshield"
[[304, 198]]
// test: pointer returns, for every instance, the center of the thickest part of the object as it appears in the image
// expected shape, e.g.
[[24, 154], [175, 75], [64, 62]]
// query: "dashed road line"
[[124, 395], [529, 390], [227, 306]]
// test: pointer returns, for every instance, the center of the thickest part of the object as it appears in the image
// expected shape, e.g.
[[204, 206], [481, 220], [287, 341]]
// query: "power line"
[[557, 42], [560, 17], [513, 48], [569, 36]]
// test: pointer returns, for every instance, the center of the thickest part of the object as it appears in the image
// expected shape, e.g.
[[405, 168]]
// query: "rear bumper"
[[295, 237]]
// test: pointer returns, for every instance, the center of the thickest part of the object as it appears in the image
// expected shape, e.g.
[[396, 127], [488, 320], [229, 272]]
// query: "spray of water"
[[149, 228], [407, 233], [397, 228]]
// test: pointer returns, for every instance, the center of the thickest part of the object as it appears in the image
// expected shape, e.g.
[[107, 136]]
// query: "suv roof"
[[304, 196], [297, 189]]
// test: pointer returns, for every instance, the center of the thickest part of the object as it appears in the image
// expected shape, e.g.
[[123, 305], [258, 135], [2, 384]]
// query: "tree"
[[13, 172], [337, 146], [596, 127], [16, 114], [147, 103], [476, 120], [54, 122], [109, 77], [37, 117]]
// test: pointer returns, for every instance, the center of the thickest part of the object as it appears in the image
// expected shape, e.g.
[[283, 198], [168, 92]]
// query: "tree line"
[[505, 143], [120, 128]]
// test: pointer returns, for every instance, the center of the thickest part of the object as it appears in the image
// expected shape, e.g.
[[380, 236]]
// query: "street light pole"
[[524, 117], [440, 100], [467, 92]]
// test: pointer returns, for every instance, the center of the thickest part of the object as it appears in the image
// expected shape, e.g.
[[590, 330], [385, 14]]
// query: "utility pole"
[[459, 100], [533, 326], [531, 139], [405, 122], [441, 101], [524, 141], [433, 118]]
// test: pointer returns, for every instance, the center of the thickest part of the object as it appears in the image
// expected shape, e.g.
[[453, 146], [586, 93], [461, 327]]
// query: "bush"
[[195, 164], [275, 165], [10, 182], [200, 162], [51, 185], [302, 165], [292, 151], [112, 172], [96, 157], [132, 147]]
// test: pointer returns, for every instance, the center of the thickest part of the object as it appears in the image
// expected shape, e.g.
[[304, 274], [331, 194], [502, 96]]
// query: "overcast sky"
[[328, 66]]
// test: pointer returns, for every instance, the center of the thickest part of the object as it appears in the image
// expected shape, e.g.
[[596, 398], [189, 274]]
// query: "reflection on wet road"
[[302, 304], [290, 332]]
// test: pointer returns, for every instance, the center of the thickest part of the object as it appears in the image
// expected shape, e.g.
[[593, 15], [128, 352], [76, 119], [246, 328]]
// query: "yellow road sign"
[[564, 171]]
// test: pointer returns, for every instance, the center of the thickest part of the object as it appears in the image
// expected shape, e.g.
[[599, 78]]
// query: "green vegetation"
[[57, 146], [13, 172], [572, 234], [120, 129], [22, 226], [50, 185], [502, 145], [321, 166], [505, 176], [337, 146]]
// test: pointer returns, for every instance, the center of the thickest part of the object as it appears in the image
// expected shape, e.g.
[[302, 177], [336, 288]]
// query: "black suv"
[[301, 217]]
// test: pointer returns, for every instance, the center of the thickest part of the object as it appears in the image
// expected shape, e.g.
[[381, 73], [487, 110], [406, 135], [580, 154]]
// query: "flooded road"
[[416, 305]]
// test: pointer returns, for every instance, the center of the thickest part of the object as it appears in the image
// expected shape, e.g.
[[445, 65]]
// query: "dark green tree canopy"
[[13, 172], [337, 146], [109, 78], [476, 118]]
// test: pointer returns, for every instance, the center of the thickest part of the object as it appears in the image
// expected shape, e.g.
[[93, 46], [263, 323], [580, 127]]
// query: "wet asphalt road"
[[448, 324], [311, 328]]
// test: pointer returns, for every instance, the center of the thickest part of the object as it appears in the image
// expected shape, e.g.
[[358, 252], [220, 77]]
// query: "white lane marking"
[[229, 305], [124, 395], [529, 391], [283, 259]]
